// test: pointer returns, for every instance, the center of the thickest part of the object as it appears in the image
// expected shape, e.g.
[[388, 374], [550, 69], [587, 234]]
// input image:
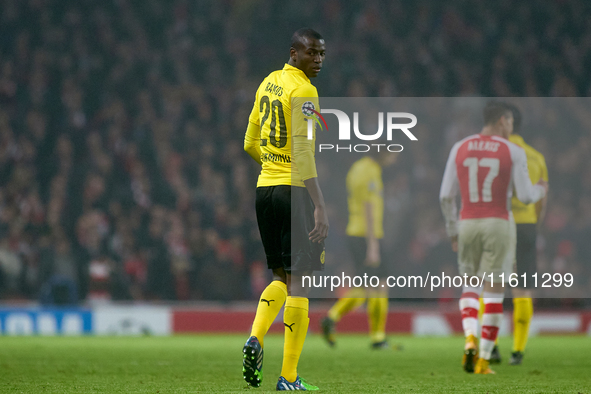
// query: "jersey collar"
[[290, 68]]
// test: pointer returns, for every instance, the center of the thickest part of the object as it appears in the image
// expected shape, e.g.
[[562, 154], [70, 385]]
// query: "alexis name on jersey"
[[483, 146]]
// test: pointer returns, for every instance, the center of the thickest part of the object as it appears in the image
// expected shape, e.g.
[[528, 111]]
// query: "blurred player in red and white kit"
[[485, 168]]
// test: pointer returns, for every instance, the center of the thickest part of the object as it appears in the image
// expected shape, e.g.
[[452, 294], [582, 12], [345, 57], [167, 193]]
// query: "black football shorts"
[[525, 253], [285, 216], [358, 247]]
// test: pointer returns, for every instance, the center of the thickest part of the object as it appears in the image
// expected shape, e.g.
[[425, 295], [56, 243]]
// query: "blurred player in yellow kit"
[[527, 218], [365, 231]]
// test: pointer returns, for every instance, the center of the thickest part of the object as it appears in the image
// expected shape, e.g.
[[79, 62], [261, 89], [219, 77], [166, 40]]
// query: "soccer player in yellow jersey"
[[527, 217], [290, 208], [365, 231]]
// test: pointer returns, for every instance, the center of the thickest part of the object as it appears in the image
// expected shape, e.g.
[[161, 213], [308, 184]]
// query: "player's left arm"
[[302, 147], [320, 231], [303, 158]]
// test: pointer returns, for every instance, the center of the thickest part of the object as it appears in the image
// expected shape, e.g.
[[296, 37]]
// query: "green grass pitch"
[[212, 363]]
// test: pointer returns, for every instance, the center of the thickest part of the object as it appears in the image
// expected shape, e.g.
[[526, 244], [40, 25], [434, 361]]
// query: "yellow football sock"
[[270, 304], [523, 310], [480, 313], [296, 321], [377, 312], [354, 299]]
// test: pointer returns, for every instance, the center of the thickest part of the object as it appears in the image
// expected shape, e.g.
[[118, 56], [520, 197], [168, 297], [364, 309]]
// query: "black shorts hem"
[[274, 262], [307, 262]]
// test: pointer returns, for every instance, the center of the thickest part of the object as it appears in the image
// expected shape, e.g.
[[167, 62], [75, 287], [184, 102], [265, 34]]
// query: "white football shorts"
[[486, 246]]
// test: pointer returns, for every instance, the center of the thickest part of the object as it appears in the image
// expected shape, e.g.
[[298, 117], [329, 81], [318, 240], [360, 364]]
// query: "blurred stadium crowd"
[[122, 121]]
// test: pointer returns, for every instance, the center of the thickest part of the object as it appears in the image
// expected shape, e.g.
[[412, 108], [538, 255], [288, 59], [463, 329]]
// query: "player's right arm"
[[541, 205], [447, 196], [320, 231], [251, 142], [368, 185], [525, 191], [252, 137]]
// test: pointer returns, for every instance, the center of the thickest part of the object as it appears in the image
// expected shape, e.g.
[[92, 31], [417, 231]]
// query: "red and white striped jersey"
[[485, 170]]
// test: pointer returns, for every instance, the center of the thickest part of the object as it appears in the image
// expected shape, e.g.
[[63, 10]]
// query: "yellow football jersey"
[[364, 184], [536, 164], [272, 111]]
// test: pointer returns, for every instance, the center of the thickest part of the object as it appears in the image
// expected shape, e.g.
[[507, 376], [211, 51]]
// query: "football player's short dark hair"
[[298, 36], [494, 110], [516, 118]]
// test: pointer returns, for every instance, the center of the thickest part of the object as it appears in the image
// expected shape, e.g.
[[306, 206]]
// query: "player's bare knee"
[[280, 275], [295, 286], [521, 293], [297, 292], [493, 288]]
